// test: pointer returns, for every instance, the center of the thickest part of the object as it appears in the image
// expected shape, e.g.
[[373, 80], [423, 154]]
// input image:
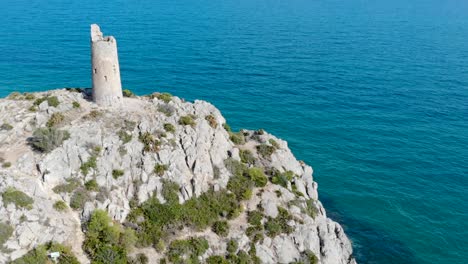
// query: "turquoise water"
[[372, 94]]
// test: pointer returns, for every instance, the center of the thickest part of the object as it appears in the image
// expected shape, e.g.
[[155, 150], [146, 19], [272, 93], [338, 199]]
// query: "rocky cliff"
[[245, 194]]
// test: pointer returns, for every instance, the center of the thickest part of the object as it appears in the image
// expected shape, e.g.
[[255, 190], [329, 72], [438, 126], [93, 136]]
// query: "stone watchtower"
[[107, 88]]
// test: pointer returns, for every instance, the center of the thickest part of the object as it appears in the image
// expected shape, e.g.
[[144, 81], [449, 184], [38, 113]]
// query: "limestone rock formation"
[[129, 154]]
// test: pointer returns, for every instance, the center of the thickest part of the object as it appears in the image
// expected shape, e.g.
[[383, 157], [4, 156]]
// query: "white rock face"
[[193, 156]]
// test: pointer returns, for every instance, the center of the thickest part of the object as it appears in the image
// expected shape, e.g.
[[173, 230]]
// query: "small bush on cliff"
[[79, 198], [40, 255], [257, 176], [124, 136], [47, 139], [55, 119], [279, 225], [246, 156], [6, 231], [128, 93], [91, 163], [92, 185], [168, 110], [105, 241], [117, 174], [6, 126], [187, 251], [51, 101], [187, 121], [60, 206], [211, 120], [76, 105], [159, 169], [221, 228], [150, 143], [18, 198], [68, 187], [282, 178], [6, 165], [166, 97], [265, 150], [169, 128], [237, 138]]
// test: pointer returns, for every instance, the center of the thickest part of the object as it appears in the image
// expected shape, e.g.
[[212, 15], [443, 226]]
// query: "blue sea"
[[372, 93]]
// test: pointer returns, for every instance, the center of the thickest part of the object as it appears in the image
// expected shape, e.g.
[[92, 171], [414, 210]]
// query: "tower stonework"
[[107, 87]]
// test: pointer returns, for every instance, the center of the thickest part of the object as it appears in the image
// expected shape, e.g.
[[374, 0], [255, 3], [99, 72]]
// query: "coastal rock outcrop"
[[123, 159]]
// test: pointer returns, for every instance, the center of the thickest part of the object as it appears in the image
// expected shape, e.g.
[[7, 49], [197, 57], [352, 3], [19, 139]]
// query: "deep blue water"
[[372, 94]]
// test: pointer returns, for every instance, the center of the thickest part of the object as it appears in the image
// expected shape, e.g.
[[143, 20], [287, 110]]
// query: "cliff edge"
[[159, 180]]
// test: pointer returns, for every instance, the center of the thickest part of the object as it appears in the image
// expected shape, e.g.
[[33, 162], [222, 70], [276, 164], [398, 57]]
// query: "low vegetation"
[[279, 225], [6, 126], [68, 187], [106, 241], [151, 144], [47, 139], [18, 198], [6, 164], [55, 119], [247, 156], [265, 150], [159, 169], [168, 110], [170, 128], [124, 136], [76, 105], [60, 206], [40, 255], [187, 120], [237, 138], [211, 120], [92, 185], [165, 97], [221, 228], [51, 101], [6, 231], [117, 174], [79, 198], [187, 251], [128, 93]]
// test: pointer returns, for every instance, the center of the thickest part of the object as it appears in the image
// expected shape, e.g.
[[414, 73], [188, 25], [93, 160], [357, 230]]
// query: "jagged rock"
[[192, 156]]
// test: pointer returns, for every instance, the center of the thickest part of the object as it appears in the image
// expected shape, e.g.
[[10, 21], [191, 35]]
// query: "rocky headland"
[[155, 180]]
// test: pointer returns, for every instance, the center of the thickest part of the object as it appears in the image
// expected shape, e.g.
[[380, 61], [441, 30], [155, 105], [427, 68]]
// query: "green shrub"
[[60, 206], [255, 218], [6, 165], [169, 128], [216, 260], [55, 119], [94, 114], [6, 231], [39, 255], [33, 108], [91, 163], [29, 96], [221, 228], [53, 101], [237, 138], [79, 198], [124, 136], [279, 225], [187, 121], [166, 97], [265, 150], [168, 110], [246, 156], [257, 176], [282, 178], [68, 187], [187, 251], [6, 126], [159, 169], [92, 185], [211, 120], [142, 258], [106, 242], [227, 127], [150, 143], [274, 143], [14, 96], [76, 105], [18, 198], [47, 139], [198, 213], [128, 93], [232, 246], [117, 173], [311, 257], [39, 101], [311, 208]]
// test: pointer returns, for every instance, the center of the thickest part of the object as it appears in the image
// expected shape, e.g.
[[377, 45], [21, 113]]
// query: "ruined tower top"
[[107, 87]]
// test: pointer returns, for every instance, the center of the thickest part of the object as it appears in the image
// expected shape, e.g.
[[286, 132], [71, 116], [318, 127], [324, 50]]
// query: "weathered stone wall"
[[107, 87]]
